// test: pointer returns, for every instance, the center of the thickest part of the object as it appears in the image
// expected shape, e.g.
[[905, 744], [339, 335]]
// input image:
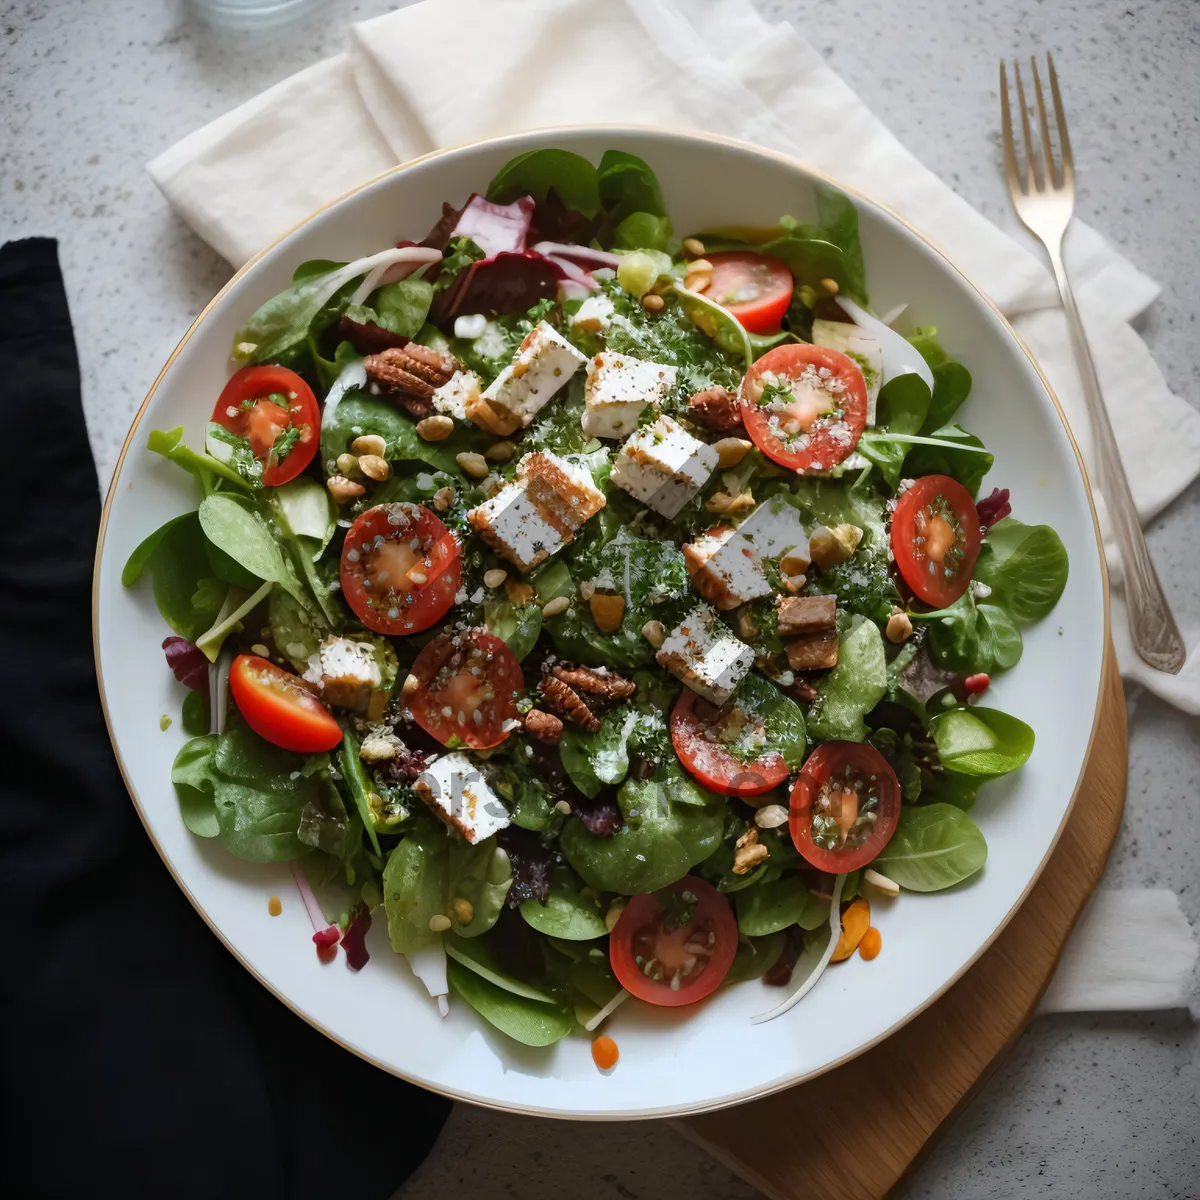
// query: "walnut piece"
[[410, 375], [716, 410], [749, 852], [607, 685]]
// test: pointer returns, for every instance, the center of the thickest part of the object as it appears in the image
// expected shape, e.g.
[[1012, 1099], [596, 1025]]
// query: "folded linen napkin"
[[722, 68]]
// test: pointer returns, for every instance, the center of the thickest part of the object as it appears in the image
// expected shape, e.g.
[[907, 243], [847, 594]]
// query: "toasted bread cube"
[[663, 466], [456, 791], [618, 388], [705, 656], [813, 652], [801, 615], [542, 365]]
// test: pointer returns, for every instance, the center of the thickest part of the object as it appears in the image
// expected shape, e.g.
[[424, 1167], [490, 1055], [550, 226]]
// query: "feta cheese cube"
[[618, 388], [539, 512], [594, 314], [346, 673], [776, 530], [725, 568], [859, 345], [453, 397], [542, 365], [705, 656], [663, 466], [456, 791]]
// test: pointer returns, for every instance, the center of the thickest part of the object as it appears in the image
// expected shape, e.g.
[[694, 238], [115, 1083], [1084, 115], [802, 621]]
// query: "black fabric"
[[137, 1058]]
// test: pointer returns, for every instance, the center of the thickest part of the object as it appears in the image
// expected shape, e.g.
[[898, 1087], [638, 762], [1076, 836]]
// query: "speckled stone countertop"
[[1105, 1106]]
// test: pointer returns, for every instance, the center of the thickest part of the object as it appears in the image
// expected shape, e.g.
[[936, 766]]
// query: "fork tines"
[[1041, 172]]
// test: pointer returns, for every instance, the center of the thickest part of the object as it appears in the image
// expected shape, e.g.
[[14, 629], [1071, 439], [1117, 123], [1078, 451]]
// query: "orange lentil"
[[871, 944], [605, 1053], [274, 907]]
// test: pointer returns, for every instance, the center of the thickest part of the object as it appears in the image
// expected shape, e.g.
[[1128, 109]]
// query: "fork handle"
[[1152, 626]]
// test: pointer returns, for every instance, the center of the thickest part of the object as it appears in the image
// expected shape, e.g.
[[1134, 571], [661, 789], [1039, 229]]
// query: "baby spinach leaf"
[[194, 714], [755, 957], [852, 688], [481, 875], [601, 759], [191, 773], [677, 825], [981, 741], [403, 306], [643, 231], [903, 403], [538, 172], [414, 888], [770, 907], [935, 846], [951, 380], [567, 914], [170, 444], [1025, 566], [524, 1020], [517, 628], [951, 451], [628, 185], [232, 525], [970, 637], [309, 510], [236, 607], [188, 596], [781, 715], [476, 954]]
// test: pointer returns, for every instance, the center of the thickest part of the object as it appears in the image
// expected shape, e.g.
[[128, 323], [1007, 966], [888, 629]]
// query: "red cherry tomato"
[[839, 786], [757, 289], [698, 740], [279, 708], [264, 405], [936, 538], [675, 946], [804, 407], [401, 568], [469, 684]]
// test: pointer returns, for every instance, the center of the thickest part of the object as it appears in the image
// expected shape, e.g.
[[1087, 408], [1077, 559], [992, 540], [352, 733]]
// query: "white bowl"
[[672, 1061]]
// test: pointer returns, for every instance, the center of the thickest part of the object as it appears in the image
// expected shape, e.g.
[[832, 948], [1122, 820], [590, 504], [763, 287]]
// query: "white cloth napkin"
[[714, 65]]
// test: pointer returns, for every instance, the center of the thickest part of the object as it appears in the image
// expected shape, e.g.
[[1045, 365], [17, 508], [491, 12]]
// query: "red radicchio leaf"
[[405, 765], [923, 679], [354, 939], [187, 662], [553, 221], [496, 228], [531, 862], [993, 508], [368, 337], [329, 936], [438, 238], [508, 283], [601, 816]]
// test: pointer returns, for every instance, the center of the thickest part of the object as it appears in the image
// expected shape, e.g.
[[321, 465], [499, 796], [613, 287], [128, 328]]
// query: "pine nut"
[[500, 452], [470, 463], [731, 451], [462, 910], [698, 282], [655, 632], [694, 247], [369, 443], [558, 605], [831, 286], [899, 626], [439, 923], [344, 490], [563, 807], [615, 909], [653, 303], [443, 498], [347, 464], [261, 650], [374, 467], [435, 428], [586, 589], [411, 684], [495, 577], [608, 610], [771, 816]]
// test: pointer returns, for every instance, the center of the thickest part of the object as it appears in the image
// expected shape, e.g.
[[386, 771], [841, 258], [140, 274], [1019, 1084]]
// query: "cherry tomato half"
[[469, 682], [401, 568], [279, 708], [844, 806], [756, 288], [675, 946], [936, 538], [276, 412], [804, 407], [700, 733]]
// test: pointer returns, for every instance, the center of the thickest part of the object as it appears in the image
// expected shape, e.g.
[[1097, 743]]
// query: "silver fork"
[[1044, 197]]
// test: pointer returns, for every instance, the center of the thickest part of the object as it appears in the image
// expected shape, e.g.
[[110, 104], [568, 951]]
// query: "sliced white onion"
[[353, 376], [570, 289], [429, 965], [607, 1011], [835, 928], [584, 255], [894, 314], [387, 266], [900, 356]]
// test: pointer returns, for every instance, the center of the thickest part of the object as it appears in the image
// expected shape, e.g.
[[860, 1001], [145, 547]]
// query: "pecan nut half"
[[410, 375], [566, 700], [604, 684], [544, 726], [716, 410]]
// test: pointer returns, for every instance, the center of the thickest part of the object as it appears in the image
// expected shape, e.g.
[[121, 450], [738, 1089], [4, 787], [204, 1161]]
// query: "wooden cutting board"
[[881, 1112]]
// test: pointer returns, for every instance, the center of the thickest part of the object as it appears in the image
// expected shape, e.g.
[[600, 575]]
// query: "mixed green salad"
[[608, 613]]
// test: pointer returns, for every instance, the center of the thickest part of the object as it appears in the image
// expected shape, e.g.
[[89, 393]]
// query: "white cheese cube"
[[540, 511], [618, 388], [663, 466], [594, 314], [725, 568], [859, 345], [346, 673], [776, 530], [705, 656], [456, 791], [453, 397], [543, 364]]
